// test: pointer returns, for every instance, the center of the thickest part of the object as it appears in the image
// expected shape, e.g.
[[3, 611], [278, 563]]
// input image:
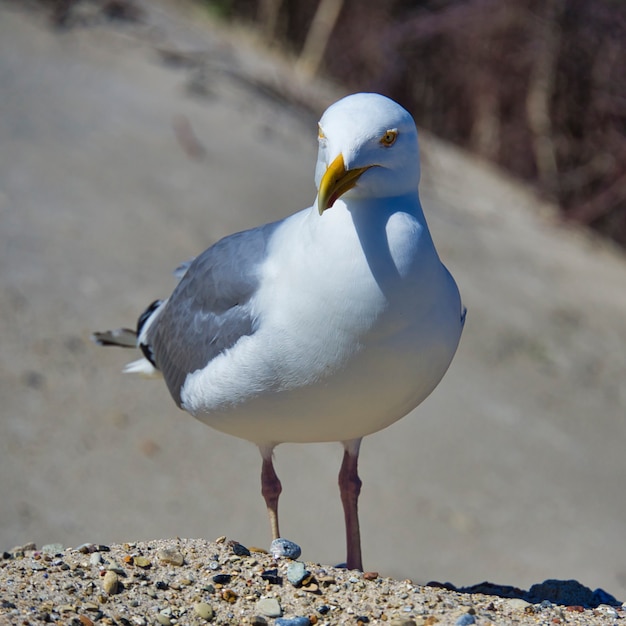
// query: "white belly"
[[339, 361]]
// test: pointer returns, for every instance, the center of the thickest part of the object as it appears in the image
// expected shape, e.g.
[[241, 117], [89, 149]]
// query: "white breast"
[[351, 334]]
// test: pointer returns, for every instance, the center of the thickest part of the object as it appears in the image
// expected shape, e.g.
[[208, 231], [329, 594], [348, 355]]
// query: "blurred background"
[[536, 86], [134, 134]]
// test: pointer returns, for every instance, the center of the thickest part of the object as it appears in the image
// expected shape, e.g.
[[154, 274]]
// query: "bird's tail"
[[127, 338], [122, 337]]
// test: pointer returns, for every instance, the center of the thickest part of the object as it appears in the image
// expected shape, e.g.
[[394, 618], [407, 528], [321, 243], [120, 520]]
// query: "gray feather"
[[210, 308]]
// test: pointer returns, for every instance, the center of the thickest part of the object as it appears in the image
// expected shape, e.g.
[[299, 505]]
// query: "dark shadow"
[[564, 592]]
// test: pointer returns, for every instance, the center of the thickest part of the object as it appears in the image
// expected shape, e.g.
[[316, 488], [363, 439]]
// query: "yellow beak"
[[335, 182]]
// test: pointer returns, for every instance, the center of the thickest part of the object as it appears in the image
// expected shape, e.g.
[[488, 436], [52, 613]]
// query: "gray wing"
[[210, 308]]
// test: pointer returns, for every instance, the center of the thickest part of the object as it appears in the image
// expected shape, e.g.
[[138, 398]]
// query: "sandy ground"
[[513, 471], [194, 581]]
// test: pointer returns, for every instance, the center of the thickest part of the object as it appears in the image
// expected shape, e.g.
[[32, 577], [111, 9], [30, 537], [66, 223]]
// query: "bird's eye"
[[320, 133], [389, 138]]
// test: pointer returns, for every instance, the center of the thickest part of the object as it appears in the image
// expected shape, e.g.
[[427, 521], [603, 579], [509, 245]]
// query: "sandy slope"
[[513, 470]]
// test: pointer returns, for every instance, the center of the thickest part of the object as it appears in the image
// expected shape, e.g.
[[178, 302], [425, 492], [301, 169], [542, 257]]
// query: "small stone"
[[222, 579], [403, 622], [270, 607], [465, 620], [171, 556], [85, 621], [296, 573], [164, 619], [95, 558], [258, 620], [52, 548], [272, 577], [204, 610], [29, 547], [283, 548], [18, 551], [608, 610], [517, 604], [238, 549], [293, 621], [141, 561], [370, 575], [88, 548], [110, 582], [228, 595]]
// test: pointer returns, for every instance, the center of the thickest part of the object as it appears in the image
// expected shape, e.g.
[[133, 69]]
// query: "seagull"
[[328, 325]]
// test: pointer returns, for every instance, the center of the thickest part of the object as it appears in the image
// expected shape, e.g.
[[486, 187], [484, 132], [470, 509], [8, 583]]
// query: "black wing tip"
[[145, 316]]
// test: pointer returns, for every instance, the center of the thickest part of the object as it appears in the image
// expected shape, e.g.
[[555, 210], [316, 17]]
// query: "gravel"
[[176, 581]]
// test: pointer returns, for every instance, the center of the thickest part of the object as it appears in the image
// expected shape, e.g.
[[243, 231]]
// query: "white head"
[[367, 148]]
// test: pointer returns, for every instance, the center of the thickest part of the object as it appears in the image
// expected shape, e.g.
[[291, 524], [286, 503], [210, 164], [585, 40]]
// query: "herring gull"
[[328, 325]]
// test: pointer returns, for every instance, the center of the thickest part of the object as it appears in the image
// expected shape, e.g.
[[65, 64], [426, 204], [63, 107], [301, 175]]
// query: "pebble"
[[272, 577], [204, 610], [293, 621], [171, 556], [95, 558], [283, 548], [141, 561], [608, 610], [52, 548], [465, 620], [164, 619], [270, 607], [258, 620], [89, 548], [110, 582], [27, 547], [517, 604], [222, 579], [239, 549], [296, 573]]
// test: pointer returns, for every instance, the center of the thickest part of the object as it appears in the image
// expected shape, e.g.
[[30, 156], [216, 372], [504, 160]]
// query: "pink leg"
[[270, 488], [349, 488]]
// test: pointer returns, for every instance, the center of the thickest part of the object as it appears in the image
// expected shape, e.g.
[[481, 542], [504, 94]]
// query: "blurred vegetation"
[[536, 86]]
